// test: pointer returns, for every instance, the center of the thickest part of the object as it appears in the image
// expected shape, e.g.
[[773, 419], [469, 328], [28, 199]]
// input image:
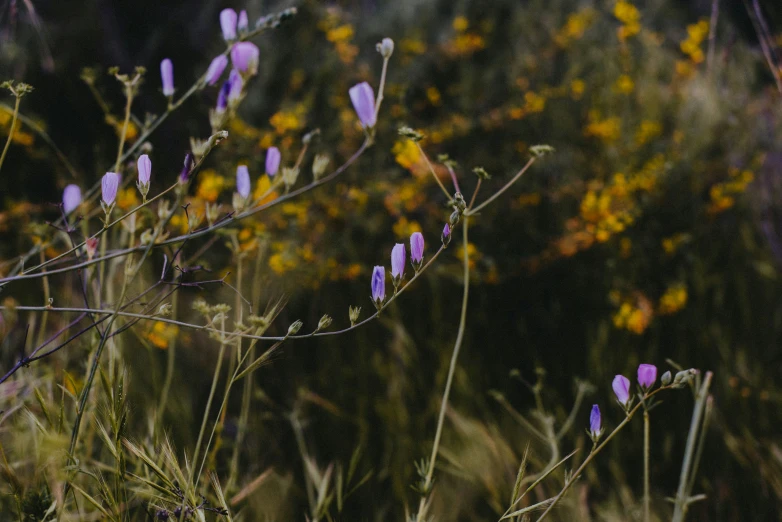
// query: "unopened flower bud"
[[71, 198], [91, 246], [243, 22], [187, 168], [378, 286], [165, 309], [228, 24], [595, 424], [621, 386], [272, 161], [398, 259], [295, 327], [417, 250], [216, 68], [144, 166], [245, 57], [454, 219], [666, 378], [386, 48], [363, 98], [446, 235], [647, 375], [167, 77]]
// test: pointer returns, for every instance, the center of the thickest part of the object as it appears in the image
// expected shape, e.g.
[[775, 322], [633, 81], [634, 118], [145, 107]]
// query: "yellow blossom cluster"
[[574, 28], [210, 185], [723, 195], [341, 35], [606, 129], [162, 334], [634, 314], [673, 300], [630, 17], [696, 34]]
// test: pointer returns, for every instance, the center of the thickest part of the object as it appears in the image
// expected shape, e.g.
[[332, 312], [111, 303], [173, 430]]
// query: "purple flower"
[[144, 165], [595, 422], [216, 69], [109, 185], [647, 375], [235, 85], [363, 98], [416, 248], [244, 56], [228, 24], [272, 161], [187, 168], [167, 77], [243, 181], [378, 286], [71, 198], [398, 262], [244, 23], [621, 387]]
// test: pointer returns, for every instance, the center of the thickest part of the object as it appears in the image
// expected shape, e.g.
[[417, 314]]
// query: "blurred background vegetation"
[[653, 233]]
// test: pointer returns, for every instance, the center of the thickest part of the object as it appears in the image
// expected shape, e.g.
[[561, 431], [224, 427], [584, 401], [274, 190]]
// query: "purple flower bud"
[[228, 24], [222, 97], [416, 247], [595, 421], [621, 387], [167, 77], [244, 22], [184, 176], [446, 230], [363, 98], [398, 261], [647, 375], [235, 84], [378, 285], [109, 185], [71, 198], [144, 165], [245, 56], [216, 69], [243, 181], [272, 161]]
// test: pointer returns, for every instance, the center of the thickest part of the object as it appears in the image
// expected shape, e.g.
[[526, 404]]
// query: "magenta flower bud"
[[378, 286], [647, 375], [245, 56], [244, 22], [416, 249], [228, 24], [398, 258], [363, 98], [109, 185], [187, 168], [272, 161], [446, 235], [243, 181], [621, 387], [144, 165], [216, 69], [71, 198], [595, 422], [235, 85], [167, 77]]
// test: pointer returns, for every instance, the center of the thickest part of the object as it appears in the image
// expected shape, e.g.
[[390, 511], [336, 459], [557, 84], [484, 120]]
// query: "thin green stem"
[[503, 189], [646, 465], [431, 169], [11, 130], [451, 371]]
